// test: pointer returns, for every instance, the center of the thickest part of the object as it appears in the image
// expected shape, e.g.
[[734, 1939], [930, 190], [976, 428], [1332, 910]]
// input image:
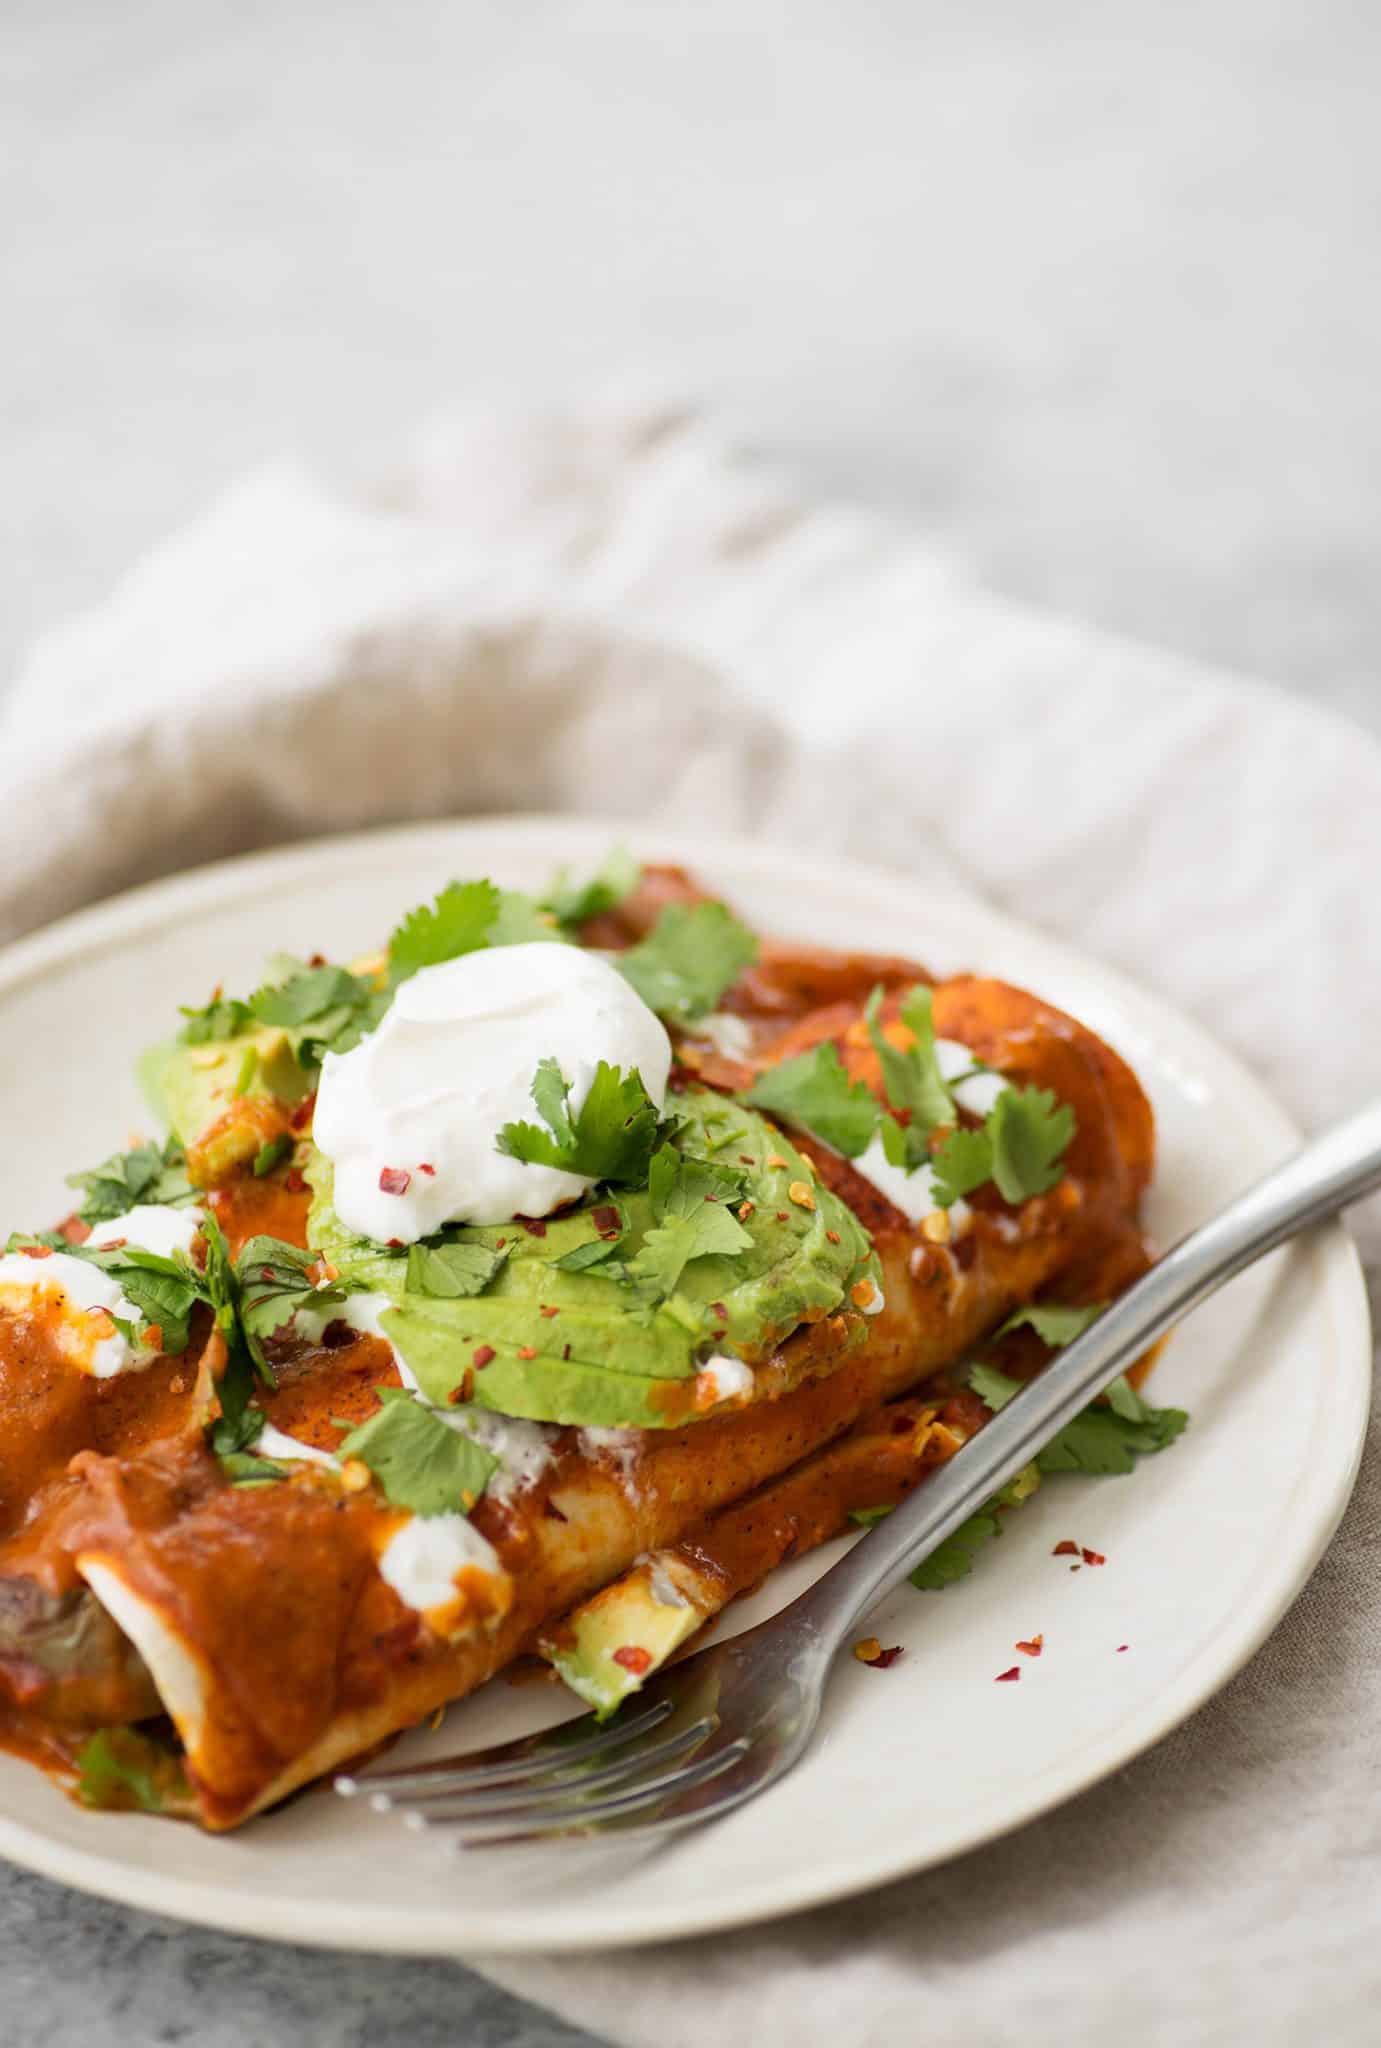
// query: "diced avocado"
[[579, 1347], [613, 1643], [189, 1086]]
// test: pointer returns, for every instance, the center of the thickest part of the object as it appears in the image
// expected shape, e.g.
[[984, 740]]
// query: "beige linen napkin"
[[603, 613]]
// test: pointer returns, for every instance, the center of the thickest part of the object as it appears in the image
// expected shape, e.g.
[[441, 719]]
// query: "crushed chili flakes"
[[833, 1236], [1065, 1549], [482, 1356], [783, 1216], [633, 1657], [548, 1311], [302, 1115], [425, 1166], [746, 1159], [1008, 1677], [294, 1180], [527, 1351], [745, 1210], [465, 1391], [606, 1219], [533, 1225], [1093, 1557], [1123, 1646], [37, 1251], [717, 1308], [394, 1180], [1032, 1647], [869, 1650]]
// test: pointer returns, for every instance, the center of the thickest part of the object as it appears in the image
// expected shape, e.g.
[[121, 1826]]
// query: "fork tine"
[[572, 1819], [517, 1799], [508, 1762]]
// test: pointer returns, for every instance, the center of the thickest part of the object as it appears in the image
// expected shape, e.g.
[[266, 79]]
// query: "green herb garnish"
[[690, 957], [421, 1462]]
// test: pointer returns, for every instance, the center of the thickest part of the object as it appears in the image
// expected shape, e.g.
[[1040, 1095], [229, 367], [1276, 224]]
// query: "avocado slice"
[[613, 1643], [576, 1346], [189, 1086]]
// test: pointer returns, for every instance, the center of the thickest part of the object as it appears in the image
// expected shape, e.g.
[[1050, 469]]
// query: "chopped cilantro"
[[147, 1173], [272, 1283], [306, 995], [1053, 1322], [1100, 1441], [814, 1091], [954, 1558], [222, 1017], [1029, 1131], [572, 903], [271, 1154], [690, 957], [451, 1271], [912, 1079], [460, 921], [962, 1163], [117, 1769], [583, 1256], [611, 1136], [226, 1438], [246, 1468], [418, 1459], [690, 1199]]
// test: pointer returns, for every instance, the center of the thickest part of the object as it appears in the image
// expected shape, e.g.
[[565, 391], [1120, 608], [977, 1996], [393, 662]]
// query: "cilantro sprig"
[[147, 1173], [1020, 1146], [1104, 1441], [911, 1078], [692, 1219], [420, 1461], [574, 903], [693, 954], [611, 1137], [814, 1092]]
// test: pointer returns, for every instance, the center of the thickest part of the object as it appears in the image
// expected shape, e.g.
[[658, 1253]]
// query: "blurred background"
[[1087, 289]]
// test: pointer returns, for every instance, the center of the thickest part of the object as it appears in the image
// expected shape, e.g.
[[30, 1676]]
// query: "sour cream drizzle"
[[409, 1119]]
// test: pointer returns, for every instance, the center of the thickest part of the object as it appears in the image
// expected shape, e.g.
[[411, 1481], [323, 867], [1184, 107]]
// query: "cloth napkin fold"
[[605, 613]]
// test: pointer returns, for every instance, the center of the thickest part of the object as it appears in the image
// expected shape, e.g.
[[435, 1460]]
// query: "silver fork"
[[719, 1728]]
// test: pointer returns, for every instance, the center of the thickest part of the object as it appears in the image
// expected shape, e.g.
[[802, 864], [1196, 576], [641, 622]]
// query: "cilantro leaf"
[[572, 903], [963, 1162], [272, 1283], [1029, 1131], [1100, 1441], [690, 1200], [147, 1173], [1053, 1322], [814, 1091], [583, 1256], [226, 1438], [912, 1079], [306, 996], [460, 921], [451, 1271], [246, 1468], [420, 1462], [222, 1017], [117, 1770], [954, 1558], [611, 1137], [693, 953]]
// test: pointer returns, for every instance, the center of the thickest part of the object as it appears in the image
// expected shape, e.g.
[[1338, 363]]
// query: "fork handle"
[[1315, 1183]]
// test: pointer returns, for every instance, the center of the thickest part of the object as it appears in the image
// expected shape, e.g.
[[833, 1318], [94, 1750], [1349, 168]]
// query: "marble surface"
[[1087, 290]]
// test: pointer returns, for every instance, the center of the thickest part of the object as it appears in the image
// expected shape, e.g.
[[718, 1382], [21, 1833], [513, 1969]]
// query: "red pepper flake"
[[1123, 1646], [552, 1511], [294, 1180], [606, 1220], [316, 960], [482, 1357], [266, 1273], [548, 1312], [394, 1180], [465, 1391], [533, 1225], [113, 1244], [37, 1251], [782, 1216], [1065, 1549], [746, 1159], [1032, 1648], [1008, 1677], [302, 1115], [886, 1658], [833, 1236], [527, 1351], [395, 1244], [425, 1166], [718, 1308], [634, 1658], [1093, 1557]]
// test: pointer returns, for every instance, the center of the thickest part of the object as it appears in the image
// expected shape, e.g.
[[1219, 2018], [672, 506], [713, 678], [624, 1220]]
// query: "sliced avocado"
[[644, 1615], [579, 1347], [189, 1086]]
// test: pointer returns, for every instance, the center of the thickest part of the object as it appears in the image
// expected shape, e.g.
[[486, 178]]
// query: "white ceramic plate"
[[1206, 1545]]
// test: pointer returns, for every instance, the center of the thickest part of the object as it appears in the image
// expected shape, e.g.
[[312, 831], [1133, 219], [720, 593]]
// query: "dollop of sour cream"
[[410, 1117], [152, 1226], [82, 1303]]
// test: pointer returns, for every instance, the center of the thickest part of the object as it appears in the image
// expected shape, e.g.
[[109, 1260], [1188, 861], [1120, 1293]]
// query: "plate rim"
[[1325, 1488]]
